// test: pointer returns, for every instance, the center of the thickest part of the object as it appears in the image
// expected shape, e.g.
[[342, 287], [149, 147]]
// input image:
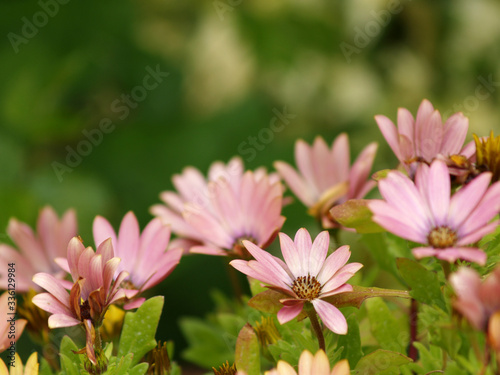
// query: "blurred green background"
[[67, 67]]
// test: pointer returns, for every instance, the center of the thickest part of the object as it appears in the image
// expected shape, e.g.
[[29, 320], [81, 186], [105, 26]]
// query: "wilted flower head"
[[10, 328], [312, 365], [424, 138], [37, 251], [479, 301], [325, 177], [92, 290], [307, 275], [423, 212], [488, 154], [216, 215], [144, 256], [226, 369]]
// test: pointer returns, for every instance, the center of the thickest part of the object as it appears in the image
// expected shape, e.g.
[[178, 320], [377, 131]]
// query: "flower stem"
[[235, 281], [311, 313], [98, 341], [446, 269], [412, 350], [335, 236]]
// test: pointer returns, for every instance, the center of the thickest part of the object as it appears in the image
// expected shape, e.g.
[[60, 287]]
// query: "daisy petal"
[[288, 313], [332, 318]]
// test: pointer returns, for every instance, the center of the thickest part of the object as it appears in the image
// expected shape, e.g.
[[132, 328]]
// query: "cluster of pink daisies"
[[441, 197]]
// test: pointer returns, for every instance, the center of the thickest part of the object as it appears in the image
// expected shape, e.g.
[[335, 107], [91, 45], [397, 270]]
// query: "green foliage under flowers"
[[139, 328], [136, 340]]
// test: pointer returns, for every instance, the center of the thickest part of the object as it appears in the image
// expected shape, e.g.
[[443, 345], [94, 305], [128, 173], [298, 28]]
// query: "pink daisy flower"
[[424, 138], [216, 215], [92, 290], [307, 275], [192, 187], [423, 212], [325, 177], [146, 257], [37, 251], [309, 364]]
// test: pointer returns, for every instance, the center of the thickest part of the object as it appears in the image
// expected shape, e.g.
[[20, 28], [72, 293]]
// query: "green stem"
[[335, 236], [412, 350], [235, 281], [446, 269], [311, 313], [98, 341]]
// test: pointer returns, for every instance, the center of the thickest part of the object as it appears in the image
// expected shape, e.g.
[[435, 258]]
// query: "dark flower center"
[[442, 237], [127, 284], [306, 287], [239, 249], [85, 310]]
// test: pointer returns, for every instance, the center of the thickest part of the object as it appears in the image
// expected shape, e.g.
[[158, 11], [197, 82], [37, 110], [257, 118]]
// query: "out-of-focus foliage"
[[230, 78]]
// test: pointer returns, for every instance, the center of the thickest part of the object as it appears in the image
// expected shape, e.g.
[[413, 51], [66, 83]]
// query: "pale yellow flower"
[[312, 365], [31, 367]]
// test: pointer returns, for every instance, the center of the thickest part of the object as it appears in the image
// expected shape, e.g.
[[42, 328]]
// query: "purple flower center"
[[306, 287], [442, 237]]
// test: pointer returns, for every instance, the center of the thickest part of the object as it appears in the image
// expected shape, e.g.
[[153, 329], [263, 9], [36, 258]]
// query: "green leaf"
[[247, 356], [44, 368], [209, 345], [360, 293], [424, 284], [139, 369], [296, 337], [384, 248], [256, 286], [385, 328], [108, 350], [492, 244], [430, 359], [355, 214], [70, 362], [139, 328], [352, 341], [268, 301], [123, 366], [381, 362]]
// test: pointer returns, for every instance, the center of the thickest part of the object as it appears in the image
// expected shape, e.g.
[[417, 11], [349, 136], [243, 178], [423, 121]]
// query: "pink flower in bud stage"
[[325, 177], [423, 212], [424, 138], [216, 215], [37, 251], [306, 275], [146, 257], [312, 365], [92, 290]]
